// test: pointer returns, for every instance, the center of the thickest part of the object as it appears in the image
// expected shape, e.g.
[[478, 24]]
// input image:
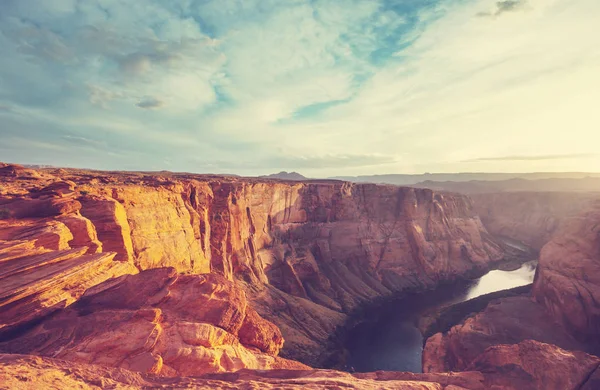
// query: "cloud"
[[534, 157], [509, 5], [322, 86], [151, 103], [505, 6]]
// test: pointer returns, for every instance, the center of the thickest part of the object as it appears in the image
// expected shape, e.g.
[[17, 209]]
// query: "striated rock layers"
[[531, 217], [160, 322], [567, 283], [528, 365], [306, 253], [563, 310], [172, 281]]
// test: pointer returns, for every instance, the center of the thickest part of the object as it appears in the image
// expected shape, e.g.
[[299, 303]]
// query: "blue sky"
[[323, 87]]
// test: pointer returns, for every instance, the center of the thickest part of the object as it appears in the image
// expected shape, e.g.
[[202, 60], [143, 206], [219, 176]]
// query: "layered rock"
[[531, 217], [504, 321], [528, 365], [307, 252], [567, 283], [534, 365], [564, 308], [41, 273], [159, 322]]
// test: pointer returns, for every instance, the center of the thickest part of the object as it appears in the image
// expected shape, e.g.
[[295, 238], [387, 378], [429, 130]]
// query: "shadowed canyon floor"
[[390, 339], [144, 279]]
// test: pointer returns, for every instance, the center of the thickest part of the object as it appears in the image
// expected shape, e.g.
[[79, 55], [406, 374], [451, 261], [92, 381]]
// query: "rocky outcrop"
[[41, 273], [306, 252], [110, 222], [531, 217], [564, 308], [528, 365], [159, 322], [504, 321], [534, 365], [567, 283]]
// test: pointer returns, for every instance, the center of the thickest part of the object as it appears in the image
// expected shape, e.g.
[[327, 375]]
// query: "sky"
[[322, 87]]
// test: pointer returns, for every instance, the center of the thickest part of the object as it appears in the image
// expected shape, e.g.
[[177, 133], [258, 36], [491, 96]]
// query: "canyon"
[[147, 279]]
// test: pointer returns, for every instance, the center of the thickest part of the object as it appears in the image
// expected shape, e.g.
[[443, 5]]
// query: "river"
[[392, 342]]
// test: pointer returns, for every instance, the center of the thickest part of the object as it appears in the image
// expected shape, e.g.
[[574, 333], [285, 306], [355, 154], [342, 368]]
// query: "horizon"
[[373, 87], [340, 177]]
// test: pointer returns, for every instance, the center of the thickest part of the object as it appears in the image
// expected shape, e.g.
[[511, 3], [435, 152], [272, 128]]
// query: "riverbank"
[[388, 334]]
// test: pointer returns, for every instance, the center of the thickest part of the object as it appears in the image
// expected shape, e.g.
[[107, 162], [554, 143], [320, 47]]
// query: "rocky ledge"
[[528, 365], [562, 308], [306, 253], [174, 280]]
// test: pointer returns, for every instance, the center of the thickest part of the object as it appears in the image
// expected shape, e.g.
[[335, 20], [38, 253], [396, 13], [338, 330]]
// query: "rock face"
[[531, 217], [166, 276], [40, 273], [533, 365], [567, 283], [563, 309], [504, 321], [159, 322], [529, 365], [307, 252]]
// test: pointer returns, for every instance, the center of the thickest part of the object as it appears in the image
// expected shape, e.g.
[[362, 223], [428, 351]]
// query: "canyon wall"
[[306, 253], [181, 275], [528, 365], [530, 217], [567, 282], [563, 309]]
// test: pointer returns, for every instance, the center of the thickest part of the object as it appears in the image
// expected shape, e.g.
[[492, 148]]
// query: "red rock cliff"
[[563, 309], [307, 252], [567, 283], [530, 217]]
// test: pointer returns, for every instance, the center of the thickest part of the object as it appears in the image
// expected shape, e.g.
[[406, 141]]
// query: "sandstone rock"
[[259, 333], [325, 247], [39, 208], [159, 322], [110, 221], [59, 188], [568, 277], [536, 366], [48, 234], [28, 372], [34, 281], [529, 365], [18, 171], [162, 234], [530, 217], [84, 233], [504, 321]]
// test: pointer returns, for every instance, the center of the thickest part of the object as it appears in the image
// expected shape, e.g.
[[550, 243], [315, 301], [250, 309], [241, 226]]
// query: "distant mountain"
[[407, 180], [587, 184], [285, 176], [38, 166]]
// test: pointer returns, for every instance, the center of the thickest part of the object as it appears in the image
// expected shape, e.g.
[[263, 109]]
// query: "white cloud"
[[325, 86], [524, 83]]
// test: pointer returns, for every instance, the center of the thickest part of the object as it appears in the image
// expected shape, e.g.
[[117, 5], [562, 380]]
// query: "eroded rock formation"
[[529, 365], [504, 321], [164, 276], [563, 309], [160, 322], [307, 252], [531, 217], [568, 280]]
